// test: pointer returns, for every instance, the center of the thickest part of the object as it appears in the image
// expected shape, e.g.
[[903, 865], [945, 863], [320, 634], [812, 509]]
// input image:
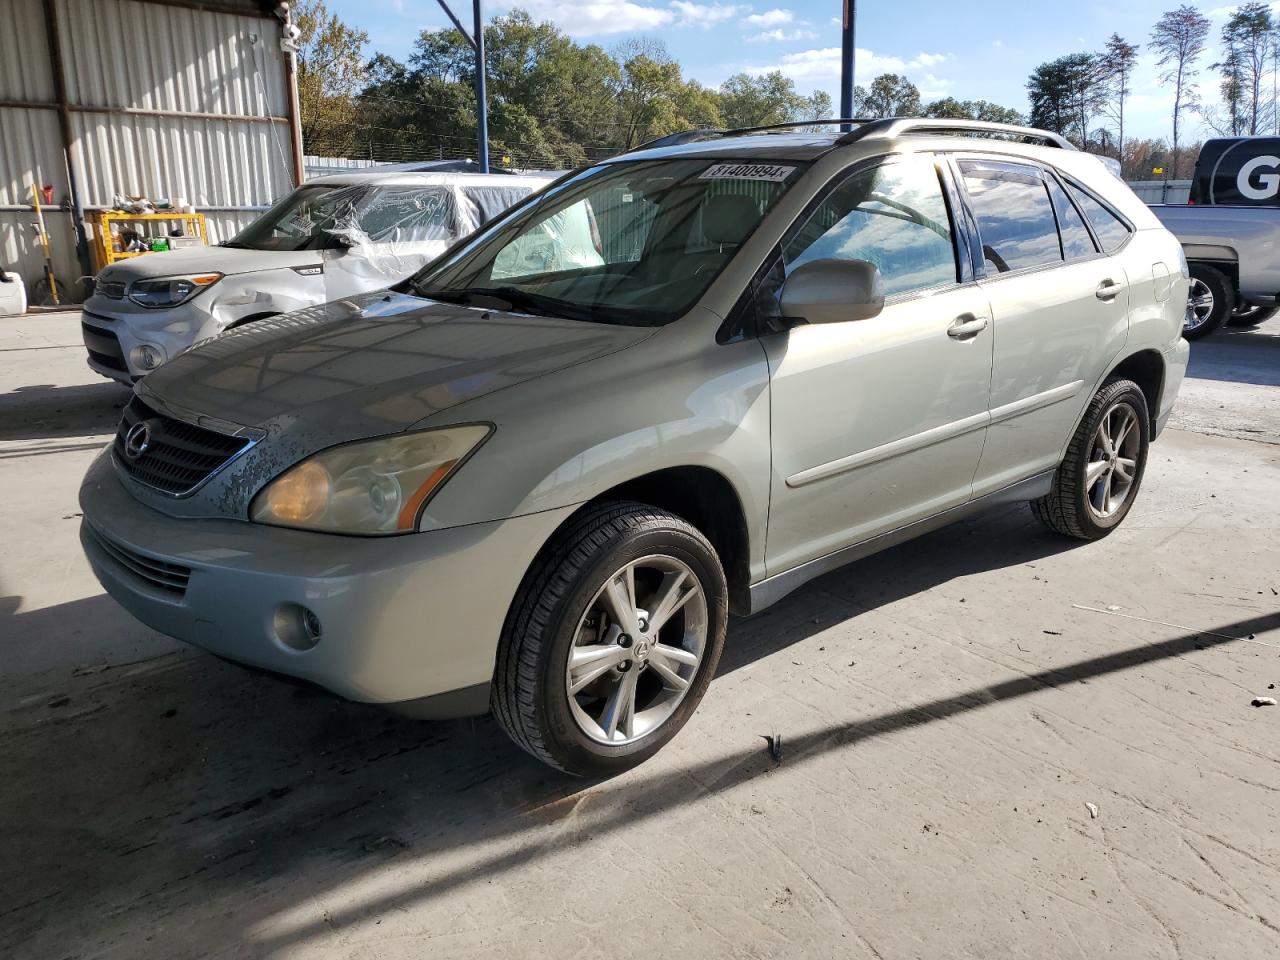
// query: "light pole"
[[848, 54], [476, 40]]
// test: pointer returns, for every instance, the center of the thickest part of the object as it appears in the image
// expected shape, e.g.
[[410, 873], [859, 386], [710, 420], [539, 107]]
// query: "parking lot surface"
[[990, 742]]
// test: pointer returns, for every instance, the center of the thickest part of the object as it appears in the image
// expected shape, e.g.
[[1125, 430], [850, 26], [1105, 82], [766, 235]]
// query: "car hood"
[[369, 365], [191, 260]]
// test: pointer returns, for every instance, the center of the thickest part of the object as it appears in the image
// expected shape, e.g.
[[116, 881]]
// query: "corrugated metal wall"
[[196, 87]]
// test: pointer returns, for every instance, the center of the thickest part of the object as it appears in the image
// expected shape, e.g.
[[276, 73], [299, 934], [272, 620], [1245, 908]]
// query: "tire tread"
[[550, 579]]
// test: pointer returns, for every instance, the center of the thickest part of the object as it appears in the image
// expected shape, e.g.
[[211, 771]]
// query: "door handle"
[[1108, 289], [966, 327]]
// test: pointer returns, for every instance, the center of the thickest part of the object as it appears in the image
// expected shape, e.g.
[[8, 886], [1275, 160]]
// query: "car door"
[[1059, 309], [877, 422]]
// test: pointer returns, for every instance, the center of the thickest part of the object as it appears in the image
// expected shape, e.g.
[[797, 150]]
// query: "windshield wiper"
[[235, 244], [522, 301]]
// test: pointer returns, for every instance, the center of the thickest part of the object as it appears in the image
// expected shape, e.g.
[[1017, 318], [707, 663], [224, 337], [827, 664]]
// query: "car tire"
[[1096, 484], [1249, 315], [1210, 300], [576, 597]]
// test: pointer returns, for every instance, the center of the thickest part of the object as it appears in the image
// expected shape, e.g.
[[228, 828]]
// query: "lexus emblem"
[[137, 440]]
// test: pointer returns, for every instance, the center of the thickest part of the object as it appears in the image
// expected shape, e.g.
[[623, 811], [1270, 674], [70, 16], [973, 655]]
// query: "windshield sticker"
[[770, 172]]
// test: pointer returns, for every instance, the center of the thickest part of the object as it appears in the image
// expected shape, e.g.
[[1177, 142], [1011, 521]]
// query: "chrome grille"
[[168, 577], [178, 456]]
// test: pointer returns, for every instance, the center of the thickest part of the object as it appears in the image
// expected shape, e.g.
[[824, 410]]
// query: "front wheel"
[[1098, 480], [612, 639]]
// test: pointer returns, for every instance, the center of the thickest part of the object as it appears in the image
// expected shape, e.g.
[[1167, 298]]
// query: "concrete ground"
[[994, 743]]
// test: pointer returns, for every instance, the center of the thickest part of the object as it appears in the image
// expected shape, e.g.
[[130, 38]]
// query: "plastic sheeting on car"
[[390, 231]]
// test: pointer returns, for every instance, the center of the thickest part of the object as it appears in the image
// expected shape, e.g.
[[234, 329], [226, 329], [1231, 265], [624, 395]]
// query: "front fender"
[[676, 399]]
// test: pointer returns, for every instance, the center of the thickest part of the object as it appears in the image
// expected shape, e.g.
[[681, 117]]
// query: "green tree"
[[890, 95], [1066, 94], [1179, 38], [331, 69], [949, 108], [747, 101]]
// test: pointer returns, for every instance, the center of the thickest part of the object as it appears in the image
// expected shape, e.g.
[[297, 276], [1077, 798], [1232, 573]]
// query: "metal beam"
[[457, 23], [212, 6], [290, 49], [54, 36], [140, 111]]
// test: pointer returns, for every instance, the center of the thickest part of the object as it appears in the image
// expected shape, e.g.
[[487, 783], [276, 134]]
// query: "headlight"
[[371, 486], [170, 291]]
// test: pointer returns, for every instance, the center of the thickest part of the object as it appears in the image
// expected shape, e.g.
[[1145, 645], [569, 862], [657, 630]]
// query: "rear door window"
[[1076, 242], [487, 202], [1111, 231], [1016, 222]]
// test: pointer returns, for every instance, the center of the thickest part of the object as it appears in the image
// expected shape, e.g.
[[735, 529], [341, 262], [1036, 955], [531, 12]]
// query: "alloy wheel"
[[1113, 461], [1199, 305], [637, 650]]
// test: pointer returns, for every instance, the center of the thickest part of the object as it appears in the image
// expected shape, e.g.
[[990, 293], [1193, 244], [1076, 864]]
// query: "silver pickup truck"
[[1230, 232], [1234, 256]]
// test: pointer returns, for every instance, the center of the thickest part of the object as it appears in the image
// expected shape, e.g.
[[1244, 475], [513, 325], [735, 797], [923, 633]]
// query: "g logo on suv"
[[138, 440]]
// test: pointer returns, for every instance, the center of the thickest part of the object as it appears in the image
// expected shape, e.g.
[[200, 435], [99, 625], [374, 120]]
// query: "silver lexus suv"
[[539, 484]]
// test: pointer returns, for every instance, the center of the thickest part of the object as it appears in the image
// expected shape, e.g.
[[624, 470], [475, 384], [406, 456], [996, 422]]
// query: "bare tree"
[[1247, 38], [1116, 63], [1179, 38]]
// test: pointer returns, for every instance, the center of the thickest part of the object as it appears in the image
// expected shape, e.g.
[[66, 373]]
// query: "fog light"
[[146, 357], [295, 626]]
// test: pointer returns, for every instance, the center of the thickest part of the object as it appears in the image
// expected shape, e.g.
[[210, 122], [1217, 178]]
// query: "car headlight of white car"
[[170, 291], [370, 486]]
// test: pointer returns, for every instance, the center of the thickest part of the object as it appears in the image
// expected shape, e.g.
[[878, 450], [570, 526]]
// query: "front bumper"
[[401, 618], [113, 329]]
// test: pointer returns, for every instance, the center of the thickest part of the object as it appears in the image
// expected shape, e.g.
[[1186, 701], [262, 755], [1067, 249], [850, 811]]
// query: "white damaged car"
[[333, 237]]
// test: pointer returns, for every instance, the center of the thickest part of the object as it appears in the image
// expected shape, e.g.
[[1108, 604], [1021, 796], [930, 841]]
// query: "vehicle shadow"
[[1240, 356], [190, 803], [48, 412]]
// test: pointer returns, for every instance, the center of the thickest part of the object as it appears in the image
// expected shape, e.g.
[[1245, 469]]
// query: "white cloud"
[[770, 18], [781, 36], [705, 14], [599, 17], [823, 64]]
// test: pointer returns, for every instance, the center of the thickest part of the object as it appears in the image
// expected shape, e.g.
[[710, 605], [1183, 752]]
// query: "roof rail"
[[865, 129], [692, 136], [898, 126]]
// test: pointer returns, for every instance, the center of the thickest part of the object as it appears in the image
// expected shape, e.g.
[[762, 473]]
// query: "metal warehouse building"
[[156, 98]]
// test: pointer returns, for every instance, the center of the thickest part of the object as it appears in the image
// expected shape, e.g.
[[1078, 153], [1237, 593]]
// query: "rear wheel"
[[1249, 315], [612, 640], [1210, 301], [1098, 480]]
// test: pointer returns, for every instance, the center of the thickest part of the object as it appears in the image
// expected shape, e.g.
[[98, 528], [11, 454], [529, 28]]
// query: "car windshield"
[[325, 216], [632, 242]]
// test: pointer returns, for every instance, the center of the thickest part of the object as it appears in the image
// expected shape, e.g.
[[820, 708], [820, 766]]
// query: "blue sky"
[[977, 50]]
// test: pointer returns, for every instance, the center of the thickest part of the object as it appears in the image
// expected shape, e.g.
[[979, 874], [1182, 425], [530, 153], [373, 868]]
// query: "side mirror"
[[833, 291], [338, 238]]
